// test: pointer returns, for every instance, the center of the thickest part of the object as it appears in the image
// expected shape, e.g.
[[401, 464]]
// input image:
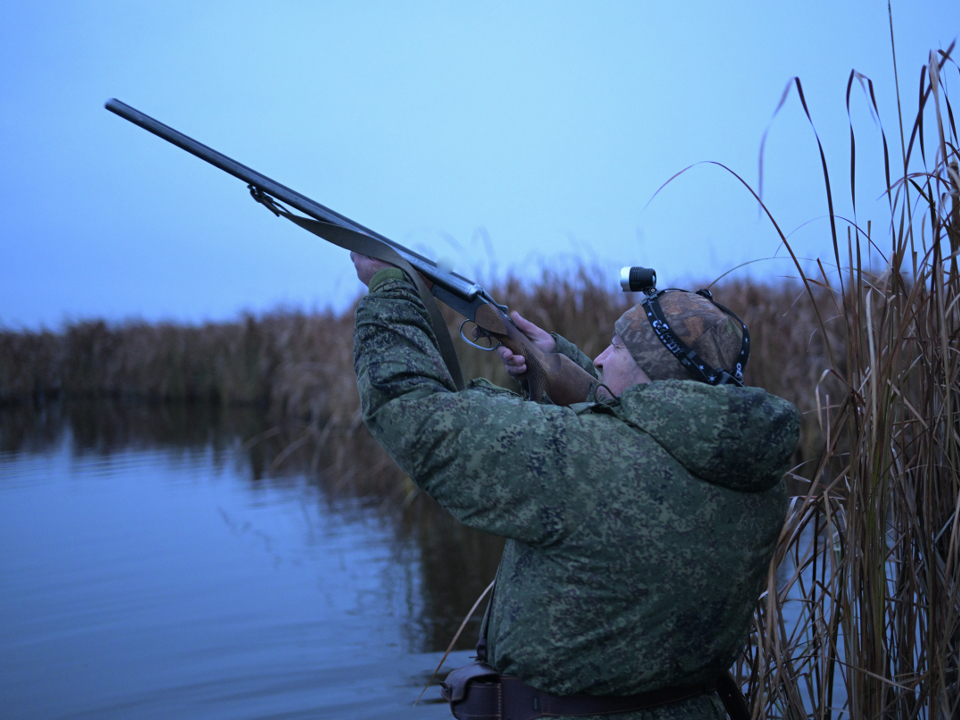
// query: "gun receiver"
[[550, 374]]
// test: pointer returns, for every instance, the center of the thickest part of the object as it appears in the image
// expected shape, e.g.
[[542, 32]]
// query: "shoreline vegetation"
[[298, 367], [861, 617]]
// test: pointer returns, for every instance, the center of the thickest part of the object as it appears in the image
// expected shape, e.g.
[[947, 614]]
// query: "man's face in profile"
[[618, 370]]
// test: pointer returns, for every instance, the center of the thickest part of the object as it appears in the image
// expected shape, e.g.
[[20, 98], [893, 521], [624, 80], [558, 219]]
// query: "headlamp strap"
[[691, 361]]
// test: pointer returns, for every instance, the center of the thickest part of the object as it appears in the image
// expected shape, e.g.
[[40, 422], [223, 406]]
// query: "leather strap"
[[372, 247], [509, 698], [522, 702], [733, 700]]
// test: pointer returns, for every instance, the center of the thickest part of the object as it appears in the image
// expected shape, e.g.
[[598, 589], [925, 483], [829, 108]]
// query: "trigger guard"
[[470, 342]]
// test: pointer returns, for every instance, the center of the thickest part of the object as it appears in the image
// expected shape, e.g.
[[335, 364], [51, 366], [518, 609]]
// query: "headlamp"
[[637, 279]]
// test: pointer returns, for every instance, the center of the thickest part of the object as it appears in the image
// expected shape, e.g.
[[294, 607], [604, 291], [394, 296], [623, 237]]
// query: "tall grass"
[[862, 618], [300, 367], [297, 364]]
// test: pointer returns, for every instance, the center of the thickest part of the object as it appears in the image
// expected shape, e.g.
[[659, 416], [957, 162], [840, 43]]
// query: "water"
[[148, 575]]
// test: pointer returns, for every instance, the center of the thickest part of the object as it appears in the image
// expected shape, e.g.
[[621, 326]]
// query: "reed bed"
[[294, 363], [862, 617], [299, 367]]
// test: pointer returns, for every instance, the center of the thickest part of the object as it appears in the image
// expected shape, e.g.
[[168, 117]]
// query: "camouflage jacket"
[[639, 531]]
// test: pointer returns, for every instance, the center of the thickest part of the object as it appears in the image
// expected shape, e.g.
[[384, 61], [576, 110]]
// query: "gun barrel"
[[452, 281]]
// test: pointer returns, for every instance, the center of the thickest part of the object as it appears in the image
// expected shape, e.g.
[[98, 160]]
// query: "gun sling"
[[366, 245]]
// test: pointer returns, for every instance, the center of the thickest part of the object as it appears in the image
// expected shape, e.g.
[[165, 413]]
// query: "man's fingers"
[[507, 355], [540, 337], [513, 364], [526, 327], [367, 266], [515, 370]]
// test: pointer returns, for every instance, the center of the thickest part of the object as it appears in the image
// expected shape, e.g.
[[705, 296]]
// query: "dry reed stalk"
[[864, 619]]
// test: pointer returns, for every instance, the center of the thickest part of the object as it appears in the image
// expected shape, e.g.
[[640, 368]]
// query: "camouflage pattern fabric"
[[700, 325], [640, 531], [565, 347]]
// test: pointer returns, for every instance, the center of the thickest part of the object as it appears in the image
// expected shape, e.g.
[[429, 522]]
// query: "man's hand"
[[367, 266], [515, 364]]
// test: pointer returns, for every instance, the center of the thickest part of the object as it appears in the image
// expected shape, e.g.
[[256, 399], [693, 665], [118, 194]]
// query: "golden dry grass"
[[300, 366], [862, 617]]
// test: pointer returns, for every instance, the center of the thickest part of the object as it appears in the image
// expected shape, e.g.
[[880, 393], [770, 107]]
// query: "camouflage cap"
[[700, 324]]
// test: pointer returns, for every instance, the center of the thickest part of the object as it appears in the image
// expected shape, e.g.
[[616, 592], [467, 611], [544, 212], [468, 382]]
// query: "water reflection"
[[153, 563]]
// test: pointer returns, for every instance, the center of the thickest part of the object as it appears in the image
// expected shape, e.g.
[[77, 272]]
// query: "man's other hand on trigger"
[[516, 365]]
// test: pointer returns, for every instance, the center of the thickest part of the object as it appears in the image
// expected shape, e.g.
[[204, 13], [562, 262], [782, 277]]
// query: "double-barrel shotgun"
[[549, 375]]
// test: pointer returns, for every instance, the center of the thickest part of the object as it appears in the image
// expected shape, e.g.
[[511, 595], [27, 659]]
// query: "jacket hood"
[[737, 438]]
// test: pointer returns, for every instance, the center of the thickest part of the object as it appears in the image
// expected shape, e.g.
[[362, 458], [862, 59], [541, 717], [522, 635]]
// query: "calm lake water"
[[152, 567]]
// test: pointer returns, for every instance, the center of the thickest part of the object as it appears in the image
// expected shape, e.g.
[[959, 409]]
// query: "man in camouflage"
[[640, 524]]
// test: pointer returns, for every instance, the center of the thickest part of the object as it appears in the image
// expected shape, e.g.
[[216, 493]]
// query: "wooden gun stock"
[[551, 374]]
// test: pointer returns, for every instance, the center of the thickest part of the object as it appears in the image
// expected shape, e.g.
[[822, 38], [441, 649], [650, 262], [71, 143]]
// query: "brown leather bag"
[[478, 692]]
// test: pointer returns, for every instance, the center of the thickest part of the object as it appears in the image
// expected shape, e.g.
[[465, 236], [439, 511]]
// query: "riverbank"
[[299, 366]]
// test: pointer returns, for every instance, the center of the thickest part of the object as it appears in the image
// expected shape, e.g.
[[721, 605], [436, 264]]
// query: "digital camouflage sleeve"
[[640, 531]]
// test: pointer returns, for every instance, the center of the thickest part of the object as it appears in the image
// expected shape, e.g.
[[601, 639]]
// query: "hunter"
[[640, 523]]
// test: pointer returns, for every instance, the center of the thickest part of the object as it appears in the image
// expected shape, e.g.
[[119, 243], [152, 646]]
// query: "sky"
[[503, 137]]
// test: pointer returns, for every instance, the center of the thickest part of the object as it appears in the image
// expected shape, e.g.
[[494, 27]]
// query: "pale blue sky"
[[547, 125]]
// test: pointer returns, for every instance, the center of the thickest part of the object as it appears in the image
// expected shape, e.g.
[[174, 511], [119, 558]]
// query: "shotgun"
[[549, 376]]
